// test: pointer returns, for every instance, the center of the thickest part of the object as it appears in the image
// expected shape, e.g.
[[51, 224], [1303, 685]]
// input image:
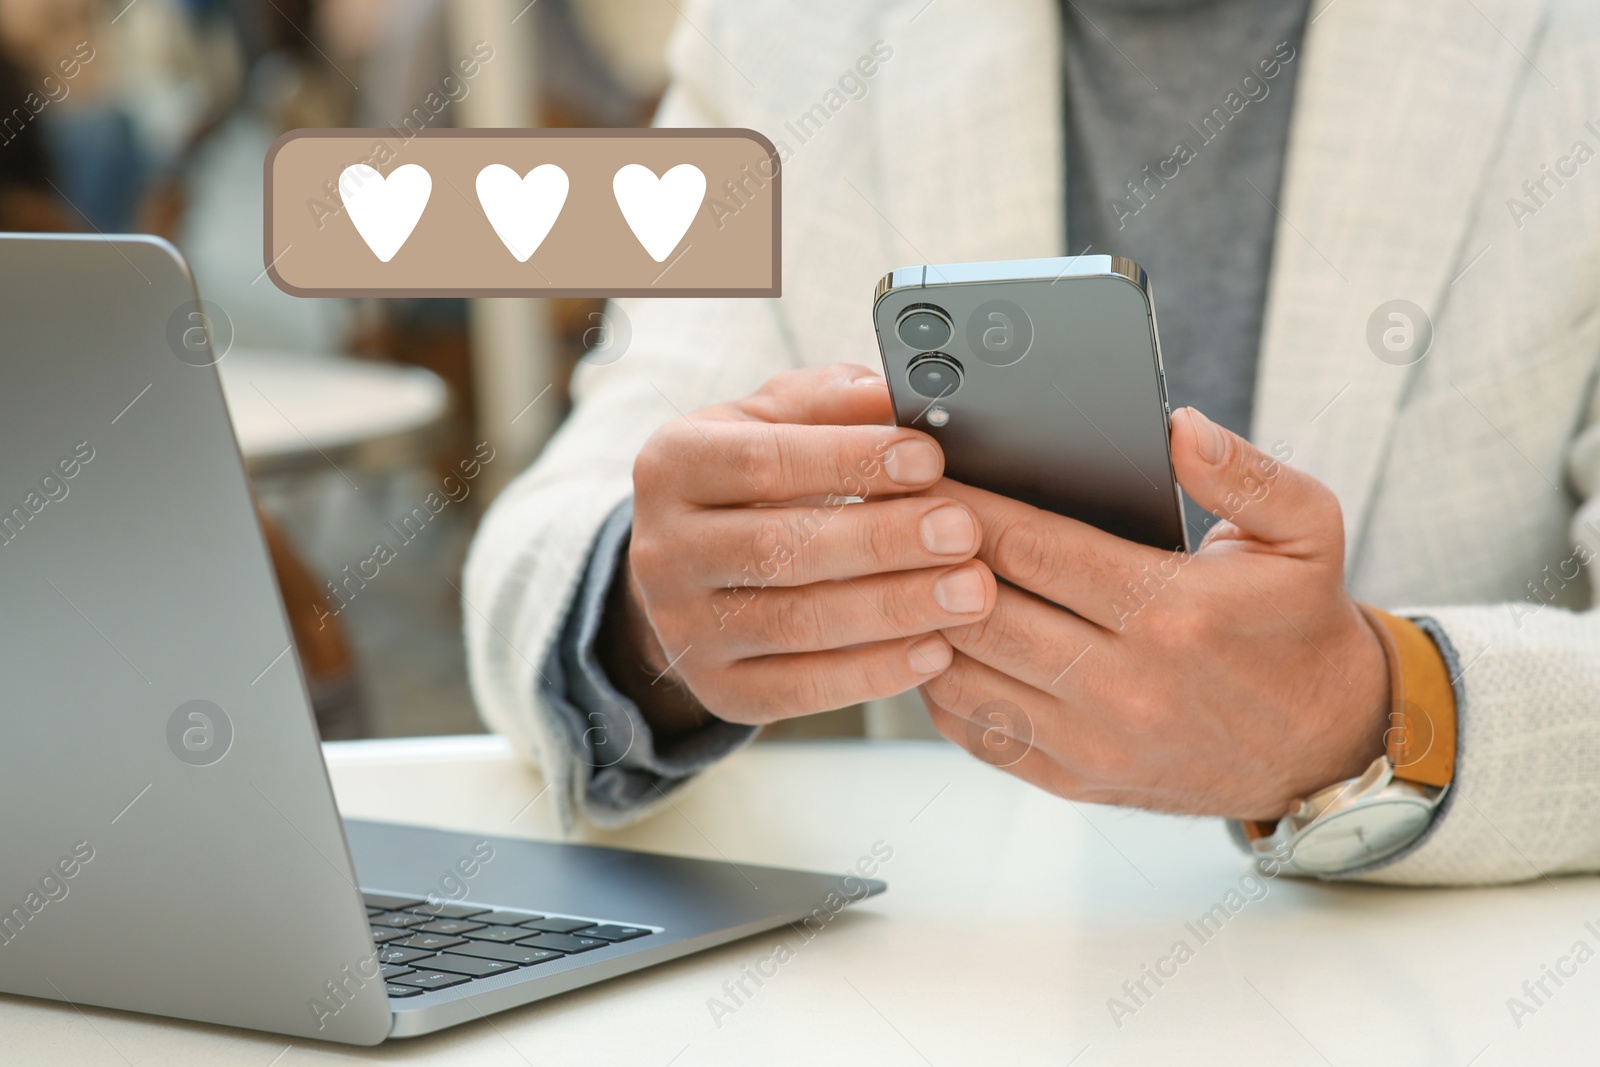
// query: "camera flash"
[[937, 416]]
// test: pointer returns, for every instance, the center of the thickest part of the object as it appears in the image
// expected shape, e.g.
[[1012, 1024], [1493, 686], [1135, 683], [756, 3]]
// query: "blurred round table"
[[294, 412], [306, 426]]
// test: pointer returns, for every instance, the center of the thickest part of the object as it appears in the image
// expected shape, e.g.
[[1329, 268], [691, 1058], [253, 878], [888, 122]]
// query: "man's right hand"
[[752, 583]]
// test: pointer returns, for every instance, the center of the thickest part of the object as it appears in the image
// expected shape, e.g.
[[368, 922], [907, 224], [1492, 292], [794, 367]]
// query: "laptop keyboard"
[[423, 947]]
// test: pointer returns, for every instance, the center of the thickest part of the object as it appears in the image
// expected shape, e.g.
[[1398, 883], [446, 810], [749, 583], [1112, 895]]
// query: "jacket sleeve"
[[1526, 792], [612, 745]]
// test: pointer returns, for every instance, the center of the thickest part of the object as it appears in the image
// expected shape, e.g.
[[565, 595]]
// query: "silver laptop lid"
[[171, 843]]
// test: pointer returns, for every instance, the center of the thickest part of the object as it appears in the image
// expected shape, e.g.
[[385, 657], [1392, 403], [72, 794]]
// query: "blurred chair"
[[320, 640], [299, 419]]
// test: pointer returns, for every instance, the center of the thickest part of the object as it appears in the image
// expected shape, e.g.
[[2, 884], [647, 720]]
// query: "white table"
[[293, 411], [1010, 920]]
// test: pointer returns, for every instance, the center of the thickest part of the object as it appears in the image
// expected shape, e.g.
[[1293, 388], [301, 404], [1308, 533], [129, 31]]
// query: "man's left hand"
[[1224, 682]]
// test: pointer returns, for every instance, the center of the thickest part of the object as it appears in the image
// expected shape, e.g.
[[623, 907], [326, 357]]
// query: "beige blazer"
[[1470, 480]]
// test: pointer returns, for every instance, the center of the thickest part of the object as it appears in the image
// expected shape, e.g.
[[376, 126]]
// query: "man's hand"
[[1225, 682], [754, 584]]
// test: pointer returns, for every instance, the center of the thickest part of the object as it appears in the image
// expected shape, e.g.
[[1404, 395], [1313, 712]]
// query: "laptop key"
[[403, 991], [497, 933], [564, 942], [391, 971], [559, 926], [472, 966], [389, 903], [503, 917], [399, 954], [450, 926], [522, 955], [449, 911], [384, 934], [432, 980], [431, 942], [400, 919], [615, 933]]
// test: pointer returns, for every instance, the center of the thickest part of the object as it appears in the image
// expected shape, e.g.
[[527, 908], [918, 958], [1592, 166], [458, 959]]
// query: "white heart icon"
[[385, 211], [522, 210], [659, 210]]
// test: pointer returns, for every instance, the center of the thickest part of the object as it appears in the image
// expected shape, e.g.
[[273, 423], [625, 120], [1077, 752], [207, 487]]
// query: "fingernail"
[[930, 655], [1208, 436], [912, 463], [960, 592], [873, 381], [949, 531]]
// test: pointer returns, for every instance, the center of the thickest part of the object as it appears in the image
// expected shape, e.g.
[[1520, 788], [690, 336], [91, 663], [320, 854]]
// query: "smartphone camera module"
[[924, 328], [935, 377]]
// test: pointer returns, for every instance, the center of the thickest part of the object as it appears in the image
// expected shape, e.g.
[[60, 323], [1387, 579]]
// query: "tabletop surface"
[[1012, 922], [287, 404]]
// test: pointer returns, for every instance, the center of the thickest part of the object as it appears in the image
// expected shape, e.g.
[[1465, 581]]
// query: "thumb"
[[843, 394], [1265, 499]]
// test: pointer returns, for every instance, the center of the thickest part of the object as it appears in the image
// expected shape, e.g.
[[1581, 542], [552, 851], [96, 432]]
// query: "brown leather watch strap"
[[1421, 739]]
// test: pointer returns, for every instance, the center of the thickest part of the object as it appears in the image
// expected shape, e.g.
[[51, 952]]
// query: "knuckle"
[[804, 530], [854, 478], [768, 542], [1141, 713], [1180, 624], [765, 401], [647, 555], [810, 695], [654, 463], [1247, 470], [794, 622], [1324, 508], [1023, 552], [902, 603], [785, 463], [741, 694], [674, 629], [879, 677], [767, 701], [720, 700], [759, 695], [776, 390], [727, 605], [697, 677], [755, 455], [985, 635], [1187, 625], [878, 537]]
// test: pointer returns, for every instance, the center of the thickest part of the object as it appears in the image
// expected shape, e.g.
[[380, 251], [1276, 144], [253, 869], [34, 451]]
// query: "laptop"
[[171, 841]]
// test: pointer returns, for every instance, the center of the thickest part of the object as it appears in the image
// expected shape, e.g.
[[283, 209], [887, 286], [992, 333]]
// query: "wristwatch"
[[1391, 804], [1351, 824]]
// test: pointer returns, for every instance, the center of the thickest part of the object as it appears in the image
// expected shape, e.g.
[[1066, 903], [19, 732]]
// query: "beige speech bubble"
[[523, 213]]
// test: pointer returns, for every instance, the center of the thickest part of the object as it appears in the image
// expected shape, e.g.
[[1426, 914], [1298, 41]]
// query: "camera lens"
[[935, 377], [924, 328]]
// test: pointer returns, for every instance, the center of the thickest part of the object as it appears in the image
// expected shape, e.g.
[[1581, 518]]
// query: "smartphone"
[[1041, 379]]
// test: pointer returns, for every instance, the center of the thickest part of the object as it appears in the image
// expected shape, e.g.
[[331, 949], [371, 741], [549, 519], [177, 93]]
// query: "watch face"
[[1363, 834]]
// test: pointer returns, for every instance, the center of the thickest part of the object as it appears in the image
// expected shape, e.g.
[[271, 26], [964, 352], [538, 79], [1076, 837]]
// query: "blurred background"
[[355, 416]]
